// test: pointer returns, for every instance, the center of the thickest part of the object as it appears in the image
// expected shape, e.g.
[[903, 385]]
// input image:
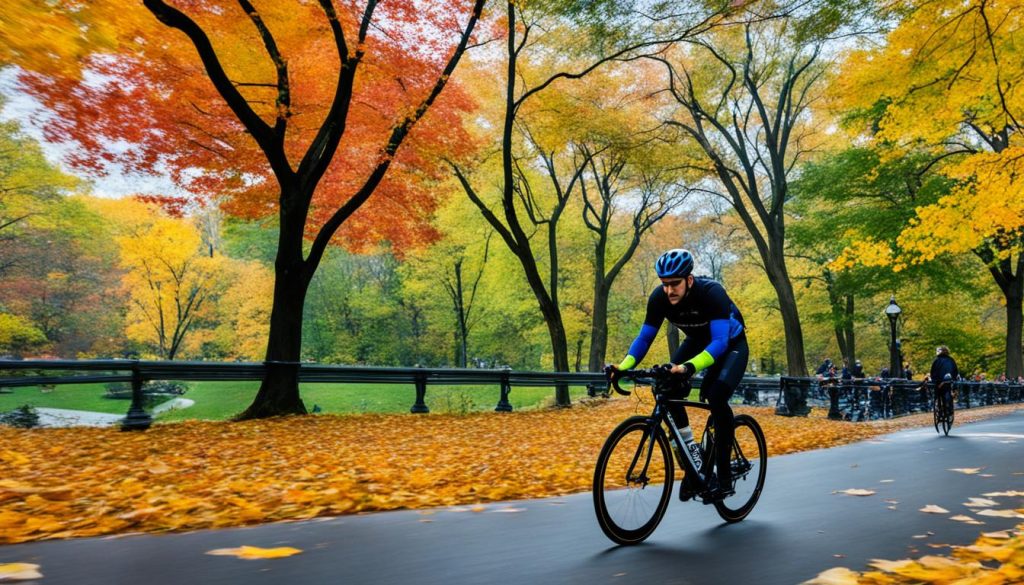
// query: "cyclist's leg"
[[718, 386]]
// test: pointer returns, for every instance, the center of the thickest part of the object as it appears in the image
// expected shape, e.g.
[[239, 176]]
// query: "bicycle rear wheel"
[[749, 462], [633, 481], [947, 421]]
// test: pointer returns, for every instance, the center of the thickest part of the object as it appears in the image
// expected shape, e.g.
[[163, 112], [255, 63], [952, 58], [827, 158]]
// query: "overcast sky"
[[30, 114]]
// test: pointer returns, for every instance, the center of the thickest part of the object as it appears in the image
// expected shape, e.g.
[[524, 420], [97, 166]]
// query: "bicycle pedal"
[[717, 496], [687, 493]]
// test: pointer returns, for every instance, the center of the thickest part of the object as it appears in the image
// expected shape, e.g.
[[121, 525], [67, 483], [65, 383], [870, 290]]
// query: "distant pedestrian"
[[824, 368]]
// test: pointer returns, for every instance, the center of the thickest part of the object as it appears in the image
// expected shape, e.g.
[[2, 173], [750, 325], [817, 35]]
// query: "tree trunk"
[[851, 342], [279, 392], [1012, 286], [599, 326], [796, 364], [460, 314], [1014, 324], [559, 346]]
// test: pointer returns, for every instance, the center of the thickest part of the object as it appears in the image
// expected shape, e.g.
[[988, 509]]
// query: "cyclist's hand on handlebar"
[[684, 371], [611, 372]]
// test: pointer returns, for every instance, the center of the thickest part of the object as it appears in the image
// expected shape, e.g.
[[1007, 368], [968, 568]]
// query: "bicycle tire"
[[749, 460], [947, 422], [628, 510], [937, 410]]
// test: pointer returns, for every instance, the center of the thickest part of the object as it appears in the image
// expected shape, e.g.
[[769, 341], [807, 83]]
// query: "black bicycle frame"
[[659, 415]]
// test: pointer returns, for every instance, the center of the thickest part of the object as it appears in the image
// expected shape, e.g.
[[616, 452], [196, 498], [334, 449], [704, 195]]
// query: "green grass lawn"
[[221, 400], [70, 396]]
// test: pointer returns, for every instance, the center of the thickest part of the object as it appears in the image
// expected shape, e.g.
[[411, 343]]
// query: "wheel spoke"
[[632, 482]]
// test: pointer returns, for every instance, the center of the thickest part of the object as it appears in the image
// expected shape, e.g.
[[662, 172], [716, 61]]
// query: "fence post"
[[833, 403], [506, 387], [780, 403], [137, 418], [421, 391]]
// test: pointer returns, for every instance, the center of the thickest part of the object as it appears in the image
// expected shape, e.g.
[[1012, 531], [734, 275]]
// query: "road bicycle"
[[943, 407], [635, 470]]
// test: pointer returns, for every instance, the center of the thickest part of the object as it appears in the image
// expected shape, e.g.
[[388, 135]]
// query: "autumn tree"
[[253, 118], [625, 200], [743, 95], [946, 79], [28, 185], [540, 52], [846, 196], [169, 278]]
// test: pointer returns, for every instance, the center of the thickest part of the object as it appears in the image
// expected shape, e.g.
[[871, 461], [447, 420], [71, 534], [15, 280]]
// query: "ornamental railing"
[[876, 398]]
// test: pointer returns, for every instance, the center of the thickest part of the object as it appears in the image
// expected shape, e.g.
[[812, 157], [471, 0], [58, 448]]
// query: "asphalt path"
[[801, 527]]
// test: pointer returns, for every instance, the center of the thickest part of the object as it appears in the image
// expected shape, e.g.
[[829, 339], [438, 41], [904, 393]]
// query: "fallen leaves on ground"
[[996, 558], [933, 509], [62, 483]]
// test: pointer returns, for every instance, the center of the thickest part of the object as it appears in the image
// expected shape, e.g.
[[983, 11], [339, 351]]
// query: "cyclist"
[[943, 372], [715, 343]]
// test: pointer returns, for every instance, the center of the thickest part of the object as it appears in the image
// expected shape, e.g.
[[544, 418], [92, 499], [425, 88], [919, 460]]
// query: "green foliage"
[[18, 335]]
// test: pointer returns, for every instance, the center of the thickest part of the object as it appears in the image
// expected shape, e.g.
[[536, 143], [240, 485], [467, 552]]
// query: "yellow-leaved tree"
[[948, 80], [169, 279]]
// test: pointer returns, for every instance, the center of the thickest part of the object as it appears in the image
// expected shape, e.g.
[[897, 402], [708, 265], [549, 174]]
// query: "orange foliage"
[[61, 483], [150, 91]]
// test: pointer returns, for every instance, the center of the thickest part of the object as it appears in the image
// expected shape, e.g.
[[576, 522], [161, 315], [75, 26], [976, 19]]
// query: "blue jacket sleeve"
[[643, 342], [719, 338]]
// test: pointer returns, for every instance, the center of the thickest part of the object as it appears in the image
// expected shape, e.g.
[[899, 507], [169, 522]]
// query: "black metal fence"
[[846, 399], [875, 398], [20, 373]]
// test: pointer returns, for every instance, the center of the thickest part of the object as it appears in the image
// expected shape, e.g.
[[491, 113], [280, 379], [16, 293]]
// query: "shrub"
[[23, 417]]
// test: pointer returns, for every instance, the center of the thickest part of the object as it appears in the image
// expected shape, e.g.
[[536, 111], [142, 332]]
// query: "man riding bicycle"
[[715, 344], [942, 374]]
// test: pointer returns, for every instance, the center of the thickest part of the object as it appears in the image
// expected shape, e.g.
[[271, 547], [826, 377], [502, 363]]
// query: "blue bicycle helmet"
[[677, 263]]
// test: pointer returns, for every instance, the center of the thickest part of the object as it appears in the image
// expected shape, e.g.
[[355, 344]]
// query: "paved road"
[[797, 528]]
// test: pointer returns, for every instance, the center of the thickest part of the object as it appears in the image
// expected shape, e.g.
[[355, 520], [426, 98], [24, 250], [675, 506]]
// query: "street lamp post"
[[893, 313]]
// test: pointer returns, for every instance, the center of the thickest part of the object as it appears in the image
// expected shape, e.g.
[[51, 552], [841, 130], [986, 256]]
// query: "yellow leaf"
[[1001, 513], [19, 572], [933, 509], [966, 470], [836, 576], [890, 566], [965, 519], [255, 552]]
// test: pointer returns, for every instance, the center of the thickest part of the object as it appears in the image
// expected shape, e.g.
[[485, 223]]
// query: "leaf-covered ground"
[[61, 483]]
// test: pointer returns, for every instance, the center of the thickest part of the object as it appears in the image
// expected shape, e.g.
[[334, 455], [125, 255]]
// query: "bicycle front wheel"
[[748, 459], [633, 481]]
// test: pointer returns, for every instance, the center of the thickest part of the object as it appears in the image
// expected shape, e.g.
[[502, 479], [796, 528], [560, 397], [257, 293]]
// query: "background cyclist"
[[942, 365], [715, 344]]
